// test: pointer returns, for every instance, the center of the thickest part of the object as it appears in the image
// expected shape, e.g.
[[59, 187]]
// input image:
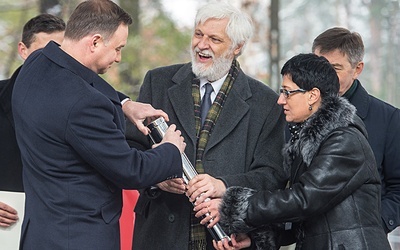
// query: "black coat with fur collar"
[[333, 198]]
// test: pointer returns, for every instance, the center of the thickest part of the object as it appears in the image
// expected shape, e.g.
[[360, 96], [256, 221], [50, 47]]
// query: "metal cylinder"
[[158, 129]]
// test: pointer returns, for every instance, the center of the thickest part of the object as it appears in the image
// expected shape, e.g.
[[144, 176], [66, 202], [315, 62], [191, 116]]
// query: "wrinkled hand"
[[8, 215], [172, 135], [176, 186], [238, 241], [138, 112], [208, 208], [204, 186]]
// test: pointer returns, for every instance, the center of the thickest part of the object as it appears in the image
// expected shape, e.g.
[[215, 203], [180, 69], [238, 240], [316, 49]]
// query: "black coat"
[[70, 128], [333, 198], [10, 156], [382, 122]]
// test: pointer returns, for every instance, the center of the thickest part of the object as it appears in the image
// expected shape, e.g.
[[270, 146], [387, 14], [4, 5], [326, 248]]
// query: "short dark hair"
[[347, 42], [96, 16], [310, 71], [41, 23]]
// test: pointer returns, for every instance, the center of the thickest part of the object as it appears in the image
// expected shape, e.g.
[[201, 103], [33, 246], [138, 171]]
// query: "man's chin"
[[102, 71], [200, 70]]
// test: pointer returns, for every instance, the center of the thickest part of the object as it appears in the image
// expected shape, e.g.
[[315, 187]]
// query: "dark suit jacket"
[[244, 149], [383, 125], [70, 129], [10, 157]]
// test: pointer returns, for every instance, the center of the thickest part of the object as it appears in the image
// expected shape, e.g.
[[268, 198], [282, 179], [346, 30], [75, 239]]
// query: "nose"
[[281, 99], [118, 57], [204, 42]]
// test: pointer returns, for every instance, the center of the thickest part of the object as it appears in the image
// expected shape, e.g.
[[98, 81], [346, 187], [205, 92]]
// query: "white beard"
[[218, 68]]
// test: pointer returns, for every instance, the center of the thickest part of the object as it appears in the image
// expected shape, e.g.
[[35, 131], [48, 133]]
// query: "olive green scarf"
[[198, 231]]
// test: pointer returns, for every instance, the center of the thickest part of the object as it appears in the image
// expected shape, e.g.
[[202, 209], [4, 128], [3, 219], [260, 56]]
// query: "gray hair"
[[240, 26], [338, 38]]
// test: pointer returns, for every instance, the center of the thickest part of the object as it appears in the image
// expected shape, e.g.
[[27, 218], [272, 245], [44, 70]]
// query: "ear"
[[22, 50], [359, 69], [314, 96], [238, 49], [94, 42]]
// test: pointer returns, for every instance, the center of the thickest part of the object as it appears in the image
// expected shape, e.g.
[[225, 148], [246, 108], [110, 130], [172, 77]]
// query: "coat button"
[[391, 222], [171, 218]]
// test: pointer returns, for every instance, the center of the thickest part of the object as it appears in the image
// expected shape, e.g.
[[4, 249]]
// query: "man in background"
[[36, 33], [236, 142], [345, 50]]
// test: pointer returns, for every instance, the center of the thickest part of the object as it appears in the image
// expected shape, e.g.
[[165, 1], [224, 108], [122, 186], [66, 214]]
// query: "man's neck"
[[350, 92]]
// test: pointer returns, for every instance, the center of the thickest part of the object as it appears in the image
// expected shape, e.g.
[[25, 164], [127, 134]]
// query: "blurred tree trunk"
[[130, 73], [392, 89], [376, 47], [257, 54], [274, 76]]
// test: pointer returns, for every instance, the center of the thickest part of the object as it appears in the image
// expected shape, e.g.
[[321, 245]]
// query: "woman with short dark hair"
[[332, 200]]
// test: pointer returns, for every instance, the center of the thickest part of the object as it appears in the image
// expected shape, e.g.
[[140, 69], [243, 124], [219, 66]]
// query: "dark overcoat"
[[70, 129], [10, 156], [243, 149], [382, 121]]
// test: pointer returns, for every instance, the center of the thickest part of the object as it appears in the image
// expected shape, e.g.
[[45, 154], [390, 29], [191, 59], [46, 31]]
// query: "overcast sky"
[[182, 11]]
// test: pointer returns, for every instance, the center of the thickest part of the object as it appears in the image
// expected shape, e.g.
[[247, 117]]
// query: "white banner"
[[9, 236]]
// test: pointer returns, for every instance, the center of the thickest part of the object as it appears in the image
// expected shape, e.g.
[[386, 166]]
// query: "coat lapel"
[[361, 101], [183, 106], [235, 108]]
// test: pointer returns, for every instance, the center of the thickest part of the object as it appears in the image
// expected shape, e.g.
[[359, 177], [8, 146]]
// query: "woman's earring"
[[310, 107]]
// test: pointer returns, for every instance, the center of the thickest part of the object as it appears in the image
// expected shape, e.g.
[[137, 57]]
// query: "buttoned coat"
[[382, 121], [243, 149], [70, 129]]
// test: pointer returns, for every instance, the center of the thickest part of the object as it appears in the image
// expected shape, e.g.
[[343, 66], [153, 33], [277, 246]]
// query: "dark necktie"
[[206, 102]]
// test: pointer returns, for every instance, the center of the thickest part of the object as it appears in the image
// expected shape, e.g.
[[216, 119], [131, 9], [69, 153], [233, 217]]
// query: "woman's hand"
[[238, 241]]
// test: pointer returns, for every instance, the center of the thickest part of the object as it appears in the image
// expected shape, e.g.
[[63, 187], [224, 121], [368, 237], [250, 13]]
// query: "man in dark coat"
[[345, 51], [239, 143], [37, 32], [70, 127]]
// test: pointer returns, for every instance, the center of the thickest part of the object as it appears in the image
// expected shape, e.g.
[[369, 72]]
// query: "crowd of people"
[[315, 165]]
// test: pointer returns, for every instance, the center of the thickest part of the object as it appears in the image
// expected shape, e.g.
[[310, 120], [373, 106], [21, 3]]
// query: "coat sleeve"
[[122, 96], [335, 172], [92, 132]]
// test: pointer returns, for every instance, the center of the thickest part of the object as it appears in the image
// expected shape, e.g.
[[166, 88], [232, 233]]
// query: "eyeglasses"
[[287, 93]]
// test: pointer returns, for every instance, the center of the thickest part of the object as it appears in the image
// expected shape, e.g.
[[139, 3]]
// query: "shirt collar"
[[216, 84]]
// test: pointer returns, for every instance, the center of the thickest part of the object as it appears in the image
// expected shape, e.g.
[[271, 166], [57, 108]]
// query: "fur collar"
[[335, 112]]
